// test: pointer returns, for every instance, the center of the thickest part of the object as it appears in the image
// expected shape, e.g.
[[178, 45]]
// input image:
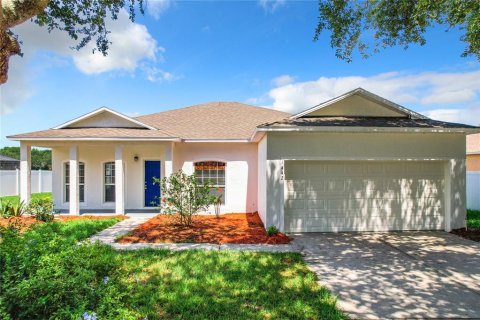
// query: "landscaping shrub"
[[272, 230], [473, 219], [44, 274], [183, 194], [12, 209], [41, 209]]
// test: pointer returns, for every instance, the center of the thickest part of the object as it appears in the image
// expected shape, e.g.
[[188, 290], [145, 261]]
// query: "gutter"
[[90, 139], [367, 129]]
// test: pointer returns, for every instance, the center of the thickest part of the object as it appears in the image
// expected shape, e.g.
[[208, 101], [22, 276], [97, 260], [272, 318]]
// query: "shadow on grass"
[[239, 285]]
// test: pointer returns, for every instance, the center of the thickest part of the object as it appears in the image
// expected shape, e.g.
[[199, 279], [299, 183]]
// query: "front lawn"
[[16, 199], [45, 274]]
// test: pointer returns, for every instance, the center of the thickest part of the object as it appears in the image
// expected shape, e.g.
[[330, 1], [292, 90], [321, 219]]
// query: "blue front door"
[[152, 191]]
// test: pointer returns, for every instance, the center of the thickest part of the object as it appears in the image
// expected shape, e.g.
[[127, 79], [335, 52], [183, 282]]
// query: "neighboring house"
[[473, 152], [473, 171], [7, 163], [357, 162]]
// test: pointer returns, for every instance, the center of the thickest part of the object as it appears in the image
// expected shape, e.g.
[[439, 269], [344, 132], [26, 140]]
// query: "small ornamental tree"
[[183, 194]]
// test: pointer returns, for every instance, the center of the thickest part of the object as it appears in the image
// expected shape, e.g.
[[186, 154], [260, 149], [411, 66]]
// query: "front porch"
[[101, 177]]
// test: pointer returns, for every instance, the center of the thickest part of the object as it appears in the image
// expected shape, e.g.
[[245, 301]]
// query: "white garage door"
[[322, 196]]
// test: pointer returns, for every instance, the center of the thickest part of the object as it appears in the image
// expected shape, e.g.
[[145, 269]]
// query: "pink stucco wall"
[[241, 170]]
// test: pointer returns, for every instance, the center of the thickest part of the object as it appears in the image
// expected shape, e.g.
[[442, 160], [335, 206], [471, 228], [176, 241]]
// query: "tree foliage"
[[371, 25], [182, 194], [83, 20], [41, 159]]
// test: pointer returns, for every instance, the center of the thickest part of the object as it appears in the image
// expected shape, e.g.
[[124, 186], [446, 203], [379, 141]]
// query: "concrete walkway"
[[397, 275], [108, 236]]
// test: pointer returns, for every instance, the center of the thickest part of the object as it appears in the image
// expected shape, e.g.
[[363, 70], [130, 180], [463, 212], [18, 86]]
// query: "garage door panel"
[[337, 185], [363, 196], [295, 185], [335, 168], [295, 204]]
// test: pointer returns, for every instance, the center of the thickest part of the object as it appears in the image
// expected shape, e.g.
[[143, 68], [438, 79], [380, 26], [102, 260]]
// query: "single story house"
[[357, 162], [473, 152], [7, 163]]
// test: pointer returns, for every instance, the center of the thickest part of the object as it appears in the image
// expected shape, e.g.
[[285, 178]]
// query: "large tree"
[[371, 25], [83, 20]]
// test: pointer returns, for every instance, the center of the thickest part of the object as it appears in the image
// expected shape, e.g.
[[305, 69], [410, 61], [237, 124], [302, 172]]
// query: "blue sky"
[[258, 52]]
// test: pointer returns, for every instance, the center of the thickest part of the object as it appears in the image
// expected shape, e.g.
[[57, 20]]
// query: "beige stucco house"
[[354, 163]]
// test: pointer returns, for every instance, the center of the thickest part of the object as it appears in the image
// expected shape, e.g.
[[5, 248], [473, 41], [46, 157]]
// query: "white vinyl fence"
[[10, 182], [473, 190]]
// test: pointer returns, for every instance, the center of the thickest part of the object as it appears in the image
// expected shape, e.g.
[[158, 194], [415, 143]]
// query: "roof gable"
[[104, 118], [359, 103]]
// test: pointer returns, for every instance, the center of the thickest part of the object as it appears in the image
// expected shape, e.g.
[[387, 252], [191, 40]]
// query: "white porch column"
[[119, 181], [168, 160], [25, 172], [74, 189]]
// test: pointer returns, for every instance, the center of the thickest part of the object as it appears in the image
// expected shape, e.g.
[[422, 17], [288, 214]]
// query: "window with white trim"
[[109, 182], [81, 181], [213, 171]]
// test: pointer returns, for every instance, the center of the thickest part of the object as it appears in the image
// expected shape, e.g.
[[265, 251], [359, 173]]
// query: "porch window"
[[109, 182], [81, 181], [213, 171]]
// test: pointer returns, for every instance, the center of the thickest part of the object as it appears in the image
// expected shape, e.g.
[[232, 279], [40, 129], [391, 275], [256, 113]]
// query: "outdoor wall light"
[[135, 158]]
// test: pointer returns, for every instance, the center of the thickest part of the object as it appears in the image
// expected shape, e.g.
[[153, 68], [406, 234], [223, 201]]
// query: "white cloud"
[[131, 43], [16, 90], [156, 8], [469, 115], [133, 48], [271, 6], [282, 80], [435, 90], [155, 74]]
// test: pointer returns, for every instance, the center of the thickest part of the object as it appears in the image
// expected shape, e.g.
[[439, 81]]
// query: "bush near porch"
[[45, 274]]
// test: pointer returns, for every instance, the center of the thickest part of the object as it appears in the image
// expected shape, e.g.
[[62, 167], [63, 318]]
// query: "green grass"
[[16, 199], [473, 219], [45, 274]]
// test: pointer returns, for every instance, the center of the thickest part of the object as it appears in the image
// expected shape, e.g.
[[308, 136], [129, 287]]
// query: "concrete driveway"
[[397, 274]]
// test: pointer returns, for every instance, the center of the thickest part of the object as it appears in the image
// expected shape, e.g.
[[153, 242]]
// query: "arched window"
[[109, 182], [213, 171], [81, 181]]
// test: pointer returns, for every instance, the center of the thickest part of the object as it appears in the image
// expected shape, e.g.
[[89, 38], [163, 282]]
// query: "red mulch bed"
[[471, 234], [227, 228], [27, 221]]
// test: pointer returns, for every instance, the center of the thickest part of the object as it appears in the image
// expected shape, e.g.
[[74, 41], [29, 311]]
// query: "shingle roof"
[[5, 158], [365, 122], [95, 133], [209, 121], [215, 120]]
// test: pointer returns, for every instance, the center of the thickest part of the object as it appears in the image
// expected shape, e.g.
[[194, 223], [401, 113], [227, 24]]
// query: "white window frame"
[[224, 186], [66, 194], [104, 183]]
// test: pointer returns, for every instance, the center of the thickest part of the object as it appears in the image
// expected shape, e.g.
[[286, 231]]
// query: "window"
[[109, 181], [214, 172], [81, 181]]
